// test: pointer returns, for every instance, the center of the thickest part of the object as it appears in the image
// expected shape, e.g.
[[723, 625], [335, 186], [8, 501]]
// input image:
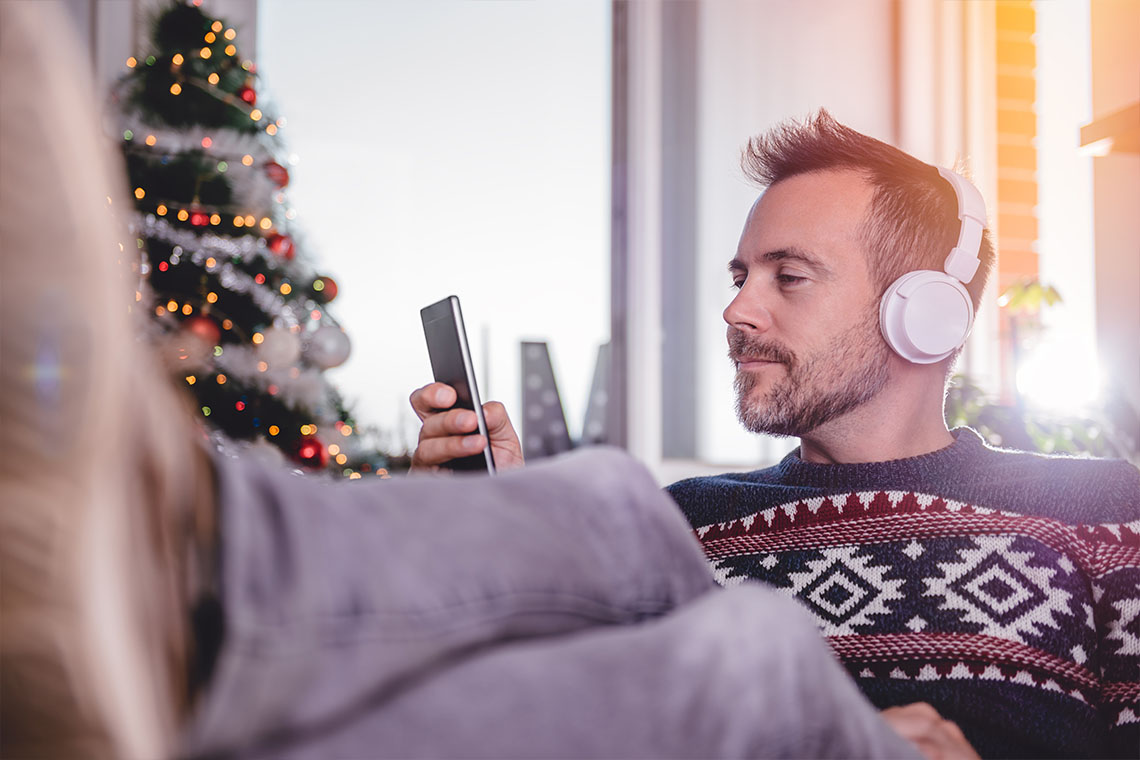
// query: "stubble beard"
[[814, 390]]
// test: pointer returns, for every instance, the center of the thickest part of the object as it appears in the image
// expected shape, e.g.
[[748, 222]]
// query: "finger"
[[432, 398], [957, 744], [498, 423], [454, 422], [952, 728], [935, 737], [917, 714], [923, 710], [437, 451], [914, 722]]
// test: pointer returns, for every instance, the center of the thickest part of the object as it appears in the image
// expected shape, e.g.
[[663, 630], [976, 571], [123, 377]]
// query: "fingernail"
[[472, 443]]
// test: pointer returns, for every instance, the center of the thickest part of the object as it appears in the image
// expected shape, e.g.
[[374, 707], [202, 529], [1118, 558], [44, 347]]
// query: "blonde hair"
[[101, 481]]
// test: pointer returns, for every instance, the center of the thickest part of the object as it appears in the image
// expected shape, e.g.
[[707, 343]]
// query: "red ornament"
[[203, 327], [324, 289], [199, 219], [247, 94], [282, 245], [278, 173], [312, 453]]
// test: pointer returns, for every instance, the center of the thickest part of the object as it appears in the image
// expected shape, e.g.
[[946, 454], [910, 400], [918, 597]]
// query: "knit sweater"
[[1001, 587]]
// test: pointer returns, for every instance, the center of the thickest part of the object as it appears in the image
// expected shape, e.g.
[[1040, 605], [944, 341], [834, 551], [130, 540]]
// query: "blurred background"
[[569, 168]]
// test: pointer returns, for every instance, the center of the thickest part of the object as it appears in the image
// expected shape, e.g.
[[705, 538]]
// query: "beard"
[[816, 389]]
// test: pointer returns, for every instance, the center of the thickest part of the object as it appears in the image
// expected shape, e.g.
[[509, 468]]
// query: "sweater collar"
[[955, 458]]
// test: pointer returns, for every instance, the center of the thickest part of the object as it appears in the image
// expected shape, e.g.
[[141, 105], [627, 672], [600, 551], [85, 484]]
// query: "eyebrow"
[[784, 254]]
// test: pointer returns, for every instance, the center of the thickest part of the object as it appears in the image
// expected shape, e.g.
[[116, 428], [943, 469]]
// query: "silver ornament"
[[328, 347], [279, 347]]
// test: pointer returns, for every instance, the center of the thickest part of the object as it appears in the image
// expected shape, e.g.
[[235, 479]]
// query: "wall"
[[1116, 193], [107, 27], [760, 63]]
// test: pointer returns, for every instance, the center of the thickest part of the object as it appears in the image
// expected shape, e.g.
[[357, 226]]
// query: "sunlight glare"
[[1060, 378]]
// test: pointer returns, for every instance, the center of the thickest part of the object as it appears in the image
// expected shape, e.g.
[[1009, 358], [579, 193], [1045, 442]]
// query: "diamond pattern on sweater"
[[998, 588], [845, 589]]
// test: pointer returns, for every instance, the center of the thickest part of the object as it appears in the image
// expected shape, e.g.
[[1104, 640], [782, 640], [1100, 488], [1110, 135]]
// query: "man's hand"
[[449, 433], [936, 738]]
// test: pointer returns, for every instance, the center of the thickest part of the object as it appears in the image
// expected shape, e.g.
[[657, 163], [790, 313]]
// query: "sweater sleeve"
[[1114, 576]]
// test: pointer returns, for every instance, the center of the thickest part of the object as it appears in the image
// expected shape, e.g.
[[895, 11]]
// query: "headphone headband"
[[963, 261]]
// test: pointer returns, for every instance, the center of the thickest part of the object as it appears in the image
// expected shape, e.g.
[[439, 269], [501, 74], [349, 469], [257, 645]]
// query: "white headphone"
[[925, 315]]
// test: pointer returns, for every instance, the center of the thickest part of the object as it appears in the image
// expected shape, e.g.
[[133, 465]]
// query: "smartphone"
[[451, 363]]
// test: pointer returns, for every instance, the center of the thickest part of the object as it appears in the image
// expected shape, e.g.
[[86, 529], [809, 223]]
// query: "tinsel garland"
[[245, 247], [223, 250], [226, 142], [250, 185]]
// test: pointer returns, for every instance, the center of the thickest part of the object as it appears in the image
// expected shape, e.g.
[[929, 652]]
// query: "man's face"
[[803, 328]]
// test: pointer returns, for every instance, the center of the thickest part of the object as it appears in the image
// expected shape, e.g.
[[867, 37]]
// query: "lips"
[[748, 362], [751, 352]]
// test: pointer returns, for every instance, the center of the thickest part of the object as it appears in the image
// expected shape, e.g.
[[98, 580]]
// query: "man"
[[1000, 587]]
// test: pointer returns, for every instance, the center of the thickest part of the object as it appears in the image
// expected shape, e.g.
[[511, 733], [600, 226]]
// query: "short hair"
[[912, 222]]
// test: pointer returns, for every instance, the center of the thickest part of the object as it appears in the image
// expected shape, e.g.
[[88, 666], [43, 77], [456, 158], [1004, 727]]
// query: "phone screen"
[[451, 363]]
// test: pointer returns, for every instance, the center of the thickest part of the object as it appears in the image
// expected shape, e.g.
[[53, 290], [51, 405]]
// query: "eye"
[[789, 280], [738, 281]]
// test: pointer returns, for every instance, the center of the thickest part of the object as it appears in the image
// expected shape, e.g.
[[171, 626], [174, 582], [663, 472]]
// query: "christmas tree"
[[240, 316]]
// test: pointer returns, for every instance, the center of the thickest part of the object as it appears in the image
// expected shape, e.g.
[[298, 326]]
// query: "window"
[[451, 147], [725, 70]]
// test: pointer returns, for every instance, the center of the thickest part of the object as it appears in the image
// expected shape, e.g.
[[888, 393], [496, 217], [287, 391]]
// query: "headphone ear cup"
[[925, 315]]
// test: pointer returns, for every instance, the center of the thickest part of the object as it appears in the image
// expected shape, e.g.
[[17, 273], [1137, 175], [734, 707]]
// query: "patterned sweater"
[[1001, 587]]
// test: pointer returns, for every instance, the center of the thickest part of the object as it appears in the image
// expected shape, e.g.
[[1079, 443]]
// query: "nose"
[[746, 312]]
